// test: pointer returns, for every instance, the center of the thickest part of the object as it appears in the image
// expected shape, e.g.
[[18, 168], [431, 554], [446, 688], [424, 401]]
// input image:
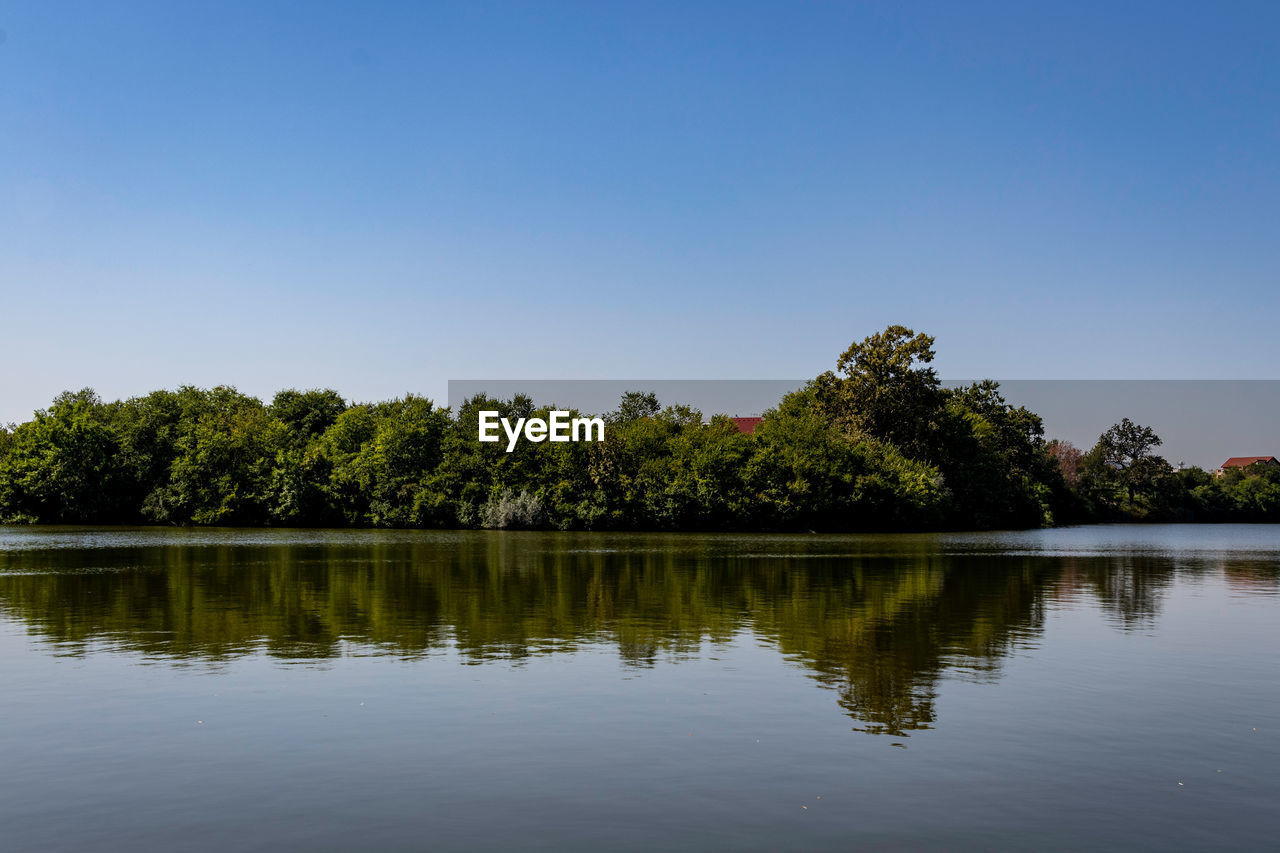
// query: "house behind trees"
[[1243, 462]]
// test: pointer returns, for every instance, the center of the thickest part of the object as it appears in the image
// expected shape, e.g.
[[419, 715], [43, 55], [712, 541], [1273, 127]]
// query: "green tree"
[[64, 465], [381, 456], [307, 414], [885, 390], [809, 472], [1125, 451], [634, 406], [223, 446], [993, 459]]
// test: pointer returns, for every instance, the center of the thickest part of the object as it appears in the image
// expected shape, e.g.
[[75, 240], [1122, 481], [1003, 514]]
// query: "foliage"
[[884, 390], [63, 466], [1123, 458], [877, 444], [1068, 459], [510, 510]]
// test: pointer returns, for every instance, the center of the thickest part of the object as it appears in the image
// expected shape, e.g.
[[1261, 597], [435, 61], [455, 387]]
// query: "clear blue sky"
[[378, 197]]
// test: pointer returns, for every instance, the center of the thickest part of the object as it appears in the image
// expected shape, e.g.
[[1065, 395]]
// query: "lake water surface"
[[1112, 687]]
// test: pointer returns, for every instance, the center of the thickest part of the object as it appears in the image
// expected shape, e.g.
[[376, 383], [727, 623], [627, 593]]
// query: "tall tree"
[[885, 389], [1126, 449]]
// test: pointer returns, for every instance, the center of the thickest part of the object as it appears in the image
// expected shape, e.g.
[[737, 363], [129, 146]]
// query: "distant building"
[[1245, 461], [746, 425]]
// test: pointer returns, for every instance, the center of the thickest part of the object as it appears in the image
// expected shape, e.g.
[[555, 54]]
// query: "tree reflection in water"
[[877, 619]]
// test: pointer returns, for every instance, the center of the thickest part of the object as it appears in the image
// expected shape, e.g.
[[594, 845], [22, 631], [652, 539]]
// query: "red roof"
[[1243, 461], [747, 425]]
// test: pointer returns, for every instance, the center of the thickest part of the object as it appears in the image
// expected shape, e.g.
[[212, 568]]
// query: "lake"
[[1111, 687]]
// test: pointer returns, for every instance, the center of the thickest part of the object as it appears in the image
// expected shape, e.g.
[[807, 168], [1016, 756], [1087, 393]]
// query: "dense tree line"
[[878, 443]]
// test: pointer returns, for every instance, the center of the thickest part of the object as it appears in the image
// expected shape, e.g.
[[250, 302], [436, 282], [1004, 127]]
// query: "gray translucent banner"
[[1202, 421]]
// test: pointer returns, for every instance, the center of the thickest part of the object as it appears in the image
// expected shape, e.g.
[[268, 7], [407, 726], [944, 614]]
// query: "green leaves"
[[878, 445], [64, 465], [886, 391], [1122, 460]]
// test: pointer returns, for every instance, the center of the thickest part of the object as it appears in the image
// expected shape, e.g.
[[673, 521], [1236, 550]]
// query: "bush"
[[512, 511]]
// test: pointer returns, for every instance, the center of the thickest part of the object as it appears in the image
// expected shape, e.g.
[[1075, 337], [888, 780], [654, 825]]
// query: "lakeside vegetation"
[[878, 443]]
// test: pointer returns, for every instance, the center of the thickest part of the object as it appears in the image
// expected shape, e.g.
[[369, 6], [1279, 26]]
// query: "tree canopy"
[[878, 443]]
